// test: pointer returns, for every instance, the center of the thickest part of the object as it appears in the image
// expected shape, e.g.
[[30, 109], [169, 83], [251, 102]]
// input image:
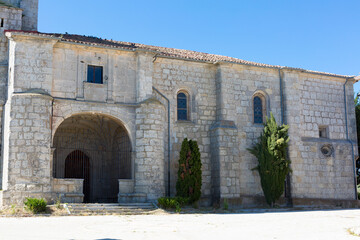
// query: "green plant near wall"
[[189, 179], [35, 205], [273, 163]]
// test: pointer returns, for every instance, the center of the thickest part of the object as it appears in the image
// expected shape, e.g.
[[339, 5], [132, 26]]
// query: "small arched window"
[[258, 110], [182, 106]]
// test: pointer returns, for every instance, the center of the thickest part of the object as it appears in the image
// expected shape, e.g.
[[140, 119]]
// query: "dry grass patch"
[[20, 211]]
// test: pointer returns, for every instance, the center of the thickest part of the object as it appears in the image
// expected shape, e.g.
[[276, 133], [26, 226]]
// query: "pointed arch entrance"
[[95, 148]]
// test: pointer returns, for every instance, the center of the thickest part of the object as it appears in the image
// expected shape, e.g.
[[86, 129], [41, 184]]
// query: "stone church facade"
[[95, 120]]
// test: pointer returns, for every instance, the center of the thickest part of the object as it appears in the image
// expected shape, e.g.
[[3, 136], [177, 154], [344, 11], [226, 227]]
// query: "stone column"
[[150, 151], [224, 144], [27, 152], [144, 75], [27, 119], [30, 14]]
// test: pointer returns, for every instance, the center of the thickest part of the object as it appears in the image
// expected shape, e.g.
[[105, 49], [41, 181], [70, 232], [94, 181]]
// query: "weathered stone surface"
[[47, 87]]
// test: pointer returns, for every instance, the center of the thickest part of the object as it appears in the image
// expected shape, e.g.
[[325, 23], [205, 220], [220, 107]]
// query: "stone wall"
[[220, 98], [70, 74], [197, 79], [150, 154], [230, 99], [27, 138], [12, 20], [15, 3], [225, 161], [313, 101], [243, 82], [30, 18], [31, 60], [68, 190]]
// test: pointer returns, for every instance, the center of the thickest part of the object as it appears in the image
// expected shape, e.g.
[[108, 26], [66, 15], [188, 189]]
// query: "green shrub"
[[172, 203], [35, 205], [226, 204], [189, 179], [273, 163], [358, 191]]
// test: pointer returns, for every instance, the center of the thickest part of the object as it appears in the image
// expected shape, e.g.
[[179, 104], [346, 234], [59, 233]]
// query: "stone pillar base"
[[8, 198], [132, 198]]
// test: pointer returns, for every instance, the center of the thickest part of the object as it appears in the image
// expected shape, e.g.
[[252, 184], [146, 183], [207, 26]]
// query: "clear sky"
[[321, 35]]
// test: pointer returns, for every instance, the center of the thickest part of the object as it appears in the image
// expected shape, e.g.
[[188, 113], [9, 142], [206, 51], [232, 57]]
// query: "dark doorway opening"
[[77, 165], [95, 148]]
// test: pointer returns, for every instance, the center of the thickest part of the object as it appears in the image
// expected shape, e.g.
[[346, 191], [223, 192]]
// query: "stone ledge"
[[319, 202], [73, 195], [259, 201], [325, 140], [132, 198], [223, 124]]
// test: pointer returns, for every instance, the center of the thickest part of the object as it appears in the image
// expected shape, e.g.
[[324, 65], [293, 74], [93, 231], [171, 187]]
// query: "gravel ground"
[[331, 224]]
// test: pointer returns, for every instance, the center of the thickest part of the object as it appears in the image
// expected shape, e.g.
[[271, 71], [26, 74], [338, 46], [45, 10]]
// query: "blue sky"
[[322, 35]]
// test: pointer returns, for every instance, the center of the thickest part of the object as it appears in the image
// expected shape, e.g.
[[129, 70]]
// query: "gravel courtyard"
[[331, 224]]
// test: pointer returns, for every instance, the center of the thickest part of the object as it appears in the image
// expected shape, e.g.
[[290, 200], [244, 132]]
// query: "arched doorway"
[[77, 165], [97, 149]]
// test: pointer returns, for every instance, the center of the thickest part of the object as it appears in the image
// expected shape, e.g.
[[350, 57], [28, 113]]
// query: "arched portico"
[[96, 148]]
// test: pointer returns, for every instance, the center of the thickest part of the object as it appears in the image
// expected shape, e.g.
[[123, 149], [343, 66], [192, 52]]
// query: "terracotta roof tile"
[[161, 51]]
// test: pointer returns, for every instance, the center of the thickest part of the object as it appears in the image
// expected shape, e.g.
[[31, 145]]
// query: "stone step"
[[96, 208]]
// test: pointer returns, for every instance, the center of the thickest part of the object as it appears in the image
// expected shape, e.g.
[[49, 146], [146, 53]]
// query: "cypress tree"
[[189, 180], [273, 163]]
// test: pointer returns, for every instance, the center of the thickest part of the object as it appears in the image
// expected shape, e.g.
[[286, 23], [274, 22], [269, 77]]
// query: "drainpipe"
[[282, 120], [169, 144], [348, 139]]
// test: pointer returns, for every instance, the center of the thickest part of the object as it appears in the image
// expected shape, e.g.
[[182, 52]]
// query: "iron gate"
[[99, 155]]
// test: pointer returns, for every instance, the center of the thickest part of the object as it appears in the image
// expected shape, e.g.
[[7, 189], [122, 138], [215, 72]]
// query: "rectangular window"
[[323, 133], [95, 74], [2, 22]]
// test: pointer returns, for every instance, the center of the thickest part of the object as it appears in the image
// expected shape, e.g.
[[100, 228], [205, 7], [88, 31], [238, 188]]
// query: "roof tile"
[[161, 51]]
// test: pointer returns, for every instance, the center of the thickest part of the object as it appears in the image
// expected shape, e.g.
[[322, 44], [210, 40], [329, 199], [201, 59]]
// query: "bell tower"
[[29, 12]]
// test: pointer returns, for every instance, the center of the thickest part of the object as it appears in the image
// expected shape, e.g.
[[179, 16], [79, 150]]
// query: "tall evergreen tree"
[[189, 180], [273, 163]]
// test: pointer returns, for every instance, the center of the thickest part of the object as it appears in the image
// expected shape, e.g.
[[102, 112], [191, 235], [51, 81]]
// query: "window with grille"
[[182, 106], [258, 110], [95, 74]]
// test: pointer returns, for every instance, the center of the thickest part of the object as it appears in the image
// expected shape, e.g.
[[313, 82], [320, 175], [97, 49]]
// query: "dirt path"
[[277, 225]]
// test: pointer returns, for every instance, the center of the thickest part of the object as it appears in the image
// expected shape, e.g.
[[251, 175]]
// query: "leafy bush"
[[273, 163], [358, 191], [226, 204], [189, 180], [172, 202], [35, 205]]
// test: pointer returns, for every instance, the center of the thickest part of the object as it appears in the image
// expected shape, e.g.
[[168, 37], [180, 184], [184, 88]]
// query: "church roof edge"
[[163, 51]]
